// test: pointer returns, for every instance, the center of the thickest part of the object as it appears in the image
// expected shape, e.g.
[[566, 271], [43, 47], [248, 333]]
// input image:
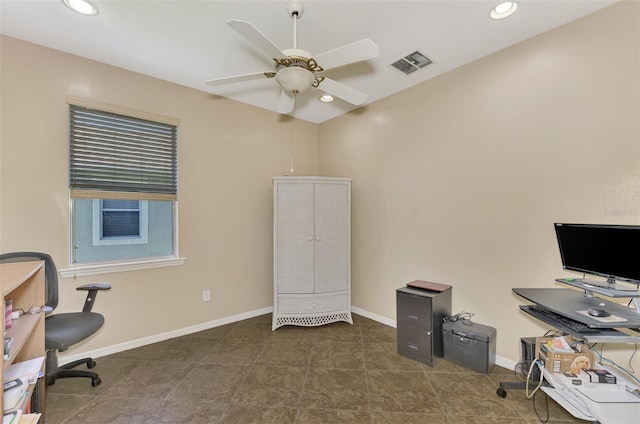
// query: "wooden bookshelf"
[[24, 284]]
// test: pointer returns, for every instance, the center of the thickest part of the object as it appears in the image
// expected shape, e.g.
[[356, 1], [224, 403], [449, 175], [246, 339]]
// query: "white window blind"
[[116, 156]]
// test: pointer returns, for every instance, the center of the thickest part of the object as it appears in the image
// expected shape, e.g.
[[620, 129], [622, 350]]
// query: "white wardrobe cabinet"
[[312, 251]]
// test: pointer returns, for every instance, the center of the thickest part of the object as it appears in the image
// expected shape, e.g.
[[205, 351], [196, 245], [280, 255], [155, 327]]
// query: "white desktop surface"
[[605, 404]]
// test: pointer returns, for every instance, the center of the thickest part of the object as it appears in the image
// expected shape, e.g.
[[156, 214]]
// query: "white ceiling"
[[188, 42]]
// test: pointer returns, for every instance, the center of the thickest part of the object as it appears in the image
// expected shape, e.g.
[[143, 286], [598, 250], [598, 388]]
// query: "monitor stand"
[[607, 284], [591, 286]]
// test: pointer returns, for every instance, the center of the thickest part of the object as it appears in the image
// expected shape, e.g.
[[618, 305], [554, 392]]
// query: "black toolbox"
[[469, 344]]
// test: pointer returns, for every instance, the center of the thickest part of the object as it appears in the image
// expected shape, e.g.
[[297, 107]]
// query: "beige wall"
[[459, 180], [228, 153]]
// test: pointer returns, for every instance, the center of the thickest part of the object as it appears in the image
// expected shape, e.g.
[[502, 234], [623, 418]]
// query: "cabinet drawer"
[[415, 343], [313, 304], [414, 310]]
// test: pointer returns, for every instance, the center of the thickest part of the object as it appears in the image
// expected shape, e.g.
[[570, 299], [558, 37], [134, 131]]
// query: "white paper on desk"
[[12, 417], [30, 418], [11, 398], [27, 370]]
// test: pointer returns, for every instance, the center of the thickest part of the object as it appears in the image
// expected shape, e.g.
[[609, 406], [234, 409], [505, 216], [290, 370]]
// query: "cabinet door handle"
[[412, 316], [317, 238], [412, 346], [310, 238]]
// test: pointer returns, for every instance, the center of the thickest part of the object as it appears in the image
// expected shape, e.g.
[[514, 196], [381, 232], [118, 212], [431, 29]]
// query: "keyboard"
[[559, 321]]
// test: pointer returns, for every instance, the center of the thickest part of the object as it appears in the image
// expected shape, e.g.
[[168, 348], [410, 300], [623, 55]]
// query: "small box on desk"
[[557, 361], [598, 376], [470, 344]]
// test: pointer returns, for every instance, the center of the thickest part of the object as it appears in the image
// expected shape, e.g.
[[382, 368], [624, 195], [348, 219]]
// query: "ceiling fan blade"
[[237, 78], [345, 55], [342, 91], [251, 33], [286, 103]]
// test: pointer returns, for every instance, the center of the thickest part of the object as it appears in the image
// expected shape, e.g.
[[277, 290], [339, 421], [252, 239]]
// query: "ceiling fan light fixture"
[[295, 79], [84, 7], [503, 10], [326, 98]]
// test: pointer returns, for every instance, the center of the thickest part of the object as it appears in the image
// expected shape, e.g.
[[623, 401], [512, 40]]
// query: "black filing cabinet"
[[419, 322]]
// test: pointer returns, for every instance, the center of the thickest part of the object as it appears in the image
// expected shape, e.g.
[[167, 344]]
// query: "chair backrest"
[[50, 272]]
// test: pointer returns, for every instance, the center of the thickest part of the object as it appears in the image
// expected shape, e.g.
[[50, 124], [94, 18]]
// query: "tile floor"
[[245, 373]]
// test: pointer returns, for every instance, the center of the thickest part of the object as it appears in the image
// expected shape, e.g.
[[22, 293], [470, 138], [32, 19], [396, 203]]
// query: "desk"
[[603, 404], [569, 302]]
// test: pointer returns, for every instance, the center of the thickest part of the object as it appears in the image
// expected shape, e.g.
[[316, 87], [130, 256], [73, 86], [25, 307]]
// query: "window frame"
[[95, 268]]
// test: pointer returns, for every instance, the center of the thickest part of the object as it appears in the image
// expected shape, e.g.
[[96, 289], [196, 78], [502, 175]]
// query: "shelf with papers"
[[23, 283], [20, 332]]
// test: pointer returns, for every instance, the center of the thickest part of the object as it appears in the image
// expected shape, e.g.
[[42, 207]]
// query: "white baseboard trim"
[[132, 344], [121, 347], [375, 317]]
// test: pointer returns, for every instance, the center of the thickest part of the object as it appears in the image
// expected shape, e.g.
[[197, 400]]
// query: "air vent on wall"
[[412, 62]]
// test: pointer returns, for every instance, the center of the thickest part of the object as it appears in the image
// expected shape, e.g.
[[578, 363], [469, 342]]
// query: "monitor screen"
[[610, 251]]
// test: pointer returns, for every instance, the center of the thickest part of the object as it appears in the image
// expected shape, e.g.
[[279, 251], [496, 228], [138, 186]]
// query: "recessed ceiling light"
[[326, 98], [503, 10], [81, 6]]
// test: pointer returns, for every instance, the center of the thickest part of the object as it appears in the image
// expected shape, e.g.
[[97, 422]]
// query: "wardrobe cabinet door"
[[331, 237], [295, 238]]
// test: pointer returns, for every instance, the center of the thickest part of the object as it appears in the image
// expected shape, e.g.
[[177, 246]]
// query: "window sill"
[[106, 268]]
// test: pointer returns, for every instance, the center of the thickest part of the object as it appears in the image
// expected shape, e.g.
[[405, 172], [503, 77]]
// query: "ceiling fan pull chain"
[[291, 168]]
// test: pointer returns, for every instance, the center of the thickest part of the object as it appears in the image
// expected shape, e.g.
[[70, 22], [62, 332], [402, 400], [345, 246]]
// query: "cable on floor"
[[546, 402]]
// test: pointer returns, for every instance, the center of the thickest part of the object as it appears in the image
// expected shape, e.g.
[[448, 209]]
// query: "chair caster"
[[501, 392], [91, 365], [95, 381]]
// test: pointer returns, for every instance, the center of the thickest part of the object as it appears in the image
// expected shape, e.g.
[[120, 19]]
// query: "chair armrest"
[[95, 286], [92, 292]]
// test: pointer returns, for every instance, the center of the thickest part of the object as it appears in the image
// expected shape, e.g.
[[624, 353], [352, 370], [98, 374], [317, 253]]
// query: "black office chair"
[[64, 329]]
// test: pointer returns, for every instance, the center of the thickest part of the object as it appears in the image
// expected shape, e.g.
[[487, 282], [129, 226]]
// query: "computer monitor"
[[609, 251]]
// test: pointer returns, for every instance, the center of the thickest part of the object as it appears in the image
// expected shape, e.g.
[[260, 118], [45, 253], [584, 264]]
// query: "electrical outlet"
[[206, 295]]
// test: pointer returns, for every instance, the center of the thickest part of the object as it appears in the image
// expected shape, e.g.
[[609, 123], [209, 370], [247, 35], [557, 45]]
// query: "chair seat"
[[65, 329]]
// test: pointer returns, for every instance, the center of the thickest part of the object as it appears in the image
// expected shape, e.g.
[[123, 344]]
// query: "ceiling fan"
[[297, 70]]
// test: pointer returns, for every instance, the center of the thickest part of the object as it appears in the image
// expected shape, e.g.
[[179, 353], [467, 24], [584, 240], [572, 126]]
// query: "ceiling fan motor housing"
[[295, 74]]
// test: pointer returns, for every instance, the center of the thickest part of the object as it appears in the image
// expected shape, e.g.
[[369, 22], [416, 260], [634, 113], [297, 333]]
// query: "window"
[[123, 185], [117, 221]]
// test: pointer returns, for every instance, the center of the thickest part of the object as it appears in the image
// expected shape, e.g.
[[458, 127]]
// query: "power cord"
[[602, 358], [535, 408], [526, 385], [463, 317], [519, 372]]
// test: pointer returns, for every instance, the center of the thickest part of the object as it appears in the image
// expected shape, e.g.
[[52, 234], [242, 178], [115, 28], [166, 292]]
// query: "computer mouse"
[[600, 313]]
